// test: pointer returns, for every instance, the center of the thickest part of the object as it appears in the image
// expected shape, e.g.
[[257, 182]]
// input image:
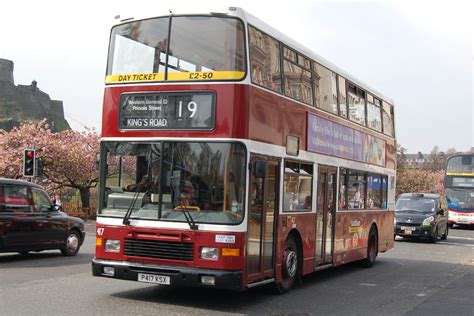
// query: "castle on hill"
[[26, 103]]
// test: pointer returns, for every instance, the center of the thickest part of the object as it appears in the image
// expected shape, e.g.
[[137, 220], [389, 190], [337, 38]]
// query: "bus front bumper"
[[169, 275]]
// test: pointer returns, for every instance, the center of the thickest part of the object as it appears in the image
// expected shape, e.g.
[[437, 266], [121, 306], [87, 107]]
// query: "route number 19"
[[191, 107]]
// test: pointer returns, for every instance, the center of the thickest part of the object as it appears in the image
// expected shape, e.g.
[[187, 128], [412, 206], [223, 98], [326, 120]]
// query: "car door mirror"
[[44, 208], [56, 208]]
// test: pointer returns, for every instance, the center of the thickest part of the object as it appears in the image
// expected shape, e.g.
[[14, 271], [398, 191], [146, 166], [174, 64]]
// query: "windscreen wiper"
[[126, 218], [192, 224]]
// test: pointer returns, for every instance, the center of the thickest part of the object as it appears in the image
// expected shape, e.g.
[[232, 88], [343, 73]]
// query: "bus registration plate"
[[153, 278]]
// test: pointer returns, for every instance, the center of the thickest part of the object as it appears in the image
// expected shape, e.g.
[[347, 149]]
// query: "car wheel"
[[71, 244], [445, 235], [372, 249], [434, 237], [451, 225], [290, 266]]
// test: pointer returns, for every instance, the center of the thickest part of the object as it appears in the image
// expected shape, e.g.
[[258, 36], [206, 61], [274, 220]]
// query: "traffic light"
[[39, 167], [29, 163]]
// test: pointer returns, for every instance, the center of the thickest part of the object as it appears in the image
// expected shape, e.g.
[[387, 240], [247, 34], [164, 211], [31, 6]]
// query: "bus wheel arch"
[[291, 261], [372, 247]]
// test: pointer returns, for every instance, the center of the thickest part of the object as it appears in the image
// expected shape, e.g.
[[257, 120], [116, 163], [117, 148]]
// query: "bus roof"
[[249, 18]]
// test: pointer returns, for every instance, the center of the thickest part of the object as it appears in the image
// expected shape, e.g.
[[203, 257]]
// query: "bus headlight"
[[112, 245], [427, 221], [209, 253]]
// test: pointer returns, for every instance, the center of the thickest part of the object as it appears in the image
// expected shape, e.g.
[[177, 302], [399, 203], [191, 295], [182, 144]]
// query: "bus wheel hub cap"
[[290, 263]]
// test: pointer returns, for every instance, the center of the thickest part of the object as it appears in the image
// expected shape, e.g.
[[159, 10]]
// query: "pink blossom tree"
[[69, 157]]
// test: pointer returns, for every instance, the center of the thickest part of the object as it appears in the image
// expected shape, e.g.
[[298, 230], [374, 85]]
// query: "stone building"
[[24, 103]]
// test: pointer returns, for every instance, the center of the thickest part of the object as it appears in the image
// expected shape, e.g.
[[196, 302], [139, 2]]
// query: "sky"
[[418, 53]]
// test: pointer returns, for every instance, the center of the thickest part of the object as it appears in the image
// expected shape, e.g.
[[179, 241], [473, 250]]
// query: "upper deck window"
[[342, 96], [387, 117], [325, 88], [297, 80], [356, 101], [199, 48], [374, 118], [264, 60]]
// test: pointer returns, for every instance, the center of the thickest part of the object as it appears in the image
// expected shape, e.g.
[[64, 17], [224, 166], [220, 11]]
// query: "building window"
[[298, 186], [264, 60], [325, 89]]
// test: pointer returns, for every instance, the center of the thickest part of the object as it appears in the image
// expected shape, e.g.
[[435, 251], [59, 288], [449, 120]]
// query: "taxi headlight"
[[427, 221], [209, 253], [112, 245]]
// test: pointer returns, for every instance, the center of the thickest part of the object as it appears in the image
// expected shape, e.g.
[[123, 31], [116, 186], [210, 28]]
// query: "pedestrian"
[[57, 200]]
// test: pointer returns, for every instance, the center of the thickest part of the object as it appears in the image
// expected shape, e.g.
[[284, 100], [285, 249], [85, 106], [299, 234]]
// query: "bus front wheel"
[[290, 266]]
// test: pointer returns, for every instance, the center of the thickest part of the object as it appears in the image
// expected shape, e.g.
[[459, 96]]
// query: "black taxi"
[[30, 222], [421, 215]]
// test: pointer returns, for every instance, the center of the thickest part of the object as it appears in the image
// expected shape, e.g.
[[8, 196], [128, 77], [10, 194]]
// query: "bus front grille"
[[159, 249]]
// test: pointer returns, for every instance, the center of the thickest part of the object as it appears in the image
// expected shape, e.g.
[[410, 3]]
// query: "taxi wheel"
[[71, 244]]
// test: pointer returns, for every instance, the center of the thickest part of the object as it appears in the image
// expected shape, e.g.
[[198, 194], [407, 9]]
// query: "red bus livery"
[[233, 157]]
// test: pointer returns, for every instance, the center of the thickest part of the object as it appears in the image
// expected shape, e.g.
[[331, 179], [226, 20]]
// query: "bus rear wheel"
[[290, 266], [372, 248]]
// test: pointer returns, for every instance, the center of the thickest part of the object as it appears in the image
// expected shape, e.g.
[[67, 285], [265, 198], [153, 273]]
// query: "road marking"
[[456, 244], [368, 284], [466, 238]]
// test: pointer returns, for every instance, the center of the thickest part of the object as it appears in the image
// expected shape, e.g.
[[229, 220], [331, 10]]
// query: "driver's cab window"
[[41, 201]]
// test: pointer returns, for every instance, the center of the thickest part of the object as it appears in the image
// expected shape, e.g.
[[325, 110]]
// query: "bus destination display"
[[167, 111]]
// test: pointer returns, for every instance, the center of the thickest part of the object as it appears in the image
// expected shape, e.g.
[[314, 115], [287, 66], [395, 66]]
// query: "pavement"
[[89, 227]]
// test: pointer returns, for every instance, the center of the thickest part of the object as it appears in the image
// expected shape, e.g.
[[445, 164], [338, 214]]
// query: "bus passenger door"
[[325, 215], [263, 212]]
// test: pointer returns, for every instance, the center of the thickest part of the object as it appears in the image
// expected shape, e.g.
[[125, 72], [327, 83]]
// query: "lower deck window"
[[298, 185], [362, 190]]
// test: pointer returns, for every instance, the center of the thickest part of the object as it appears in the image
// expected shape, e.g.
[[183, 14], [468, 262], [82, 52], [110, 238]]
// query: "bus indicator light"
[[230, 252]]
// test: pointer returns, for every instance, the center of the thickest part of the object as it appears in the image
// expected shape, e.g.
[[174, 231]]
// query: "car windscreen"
[[416, 204]]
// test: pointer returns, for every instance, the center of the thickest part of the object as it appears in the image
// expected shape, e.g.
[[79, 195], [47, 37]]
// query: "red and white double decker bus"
[[233, 157]]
